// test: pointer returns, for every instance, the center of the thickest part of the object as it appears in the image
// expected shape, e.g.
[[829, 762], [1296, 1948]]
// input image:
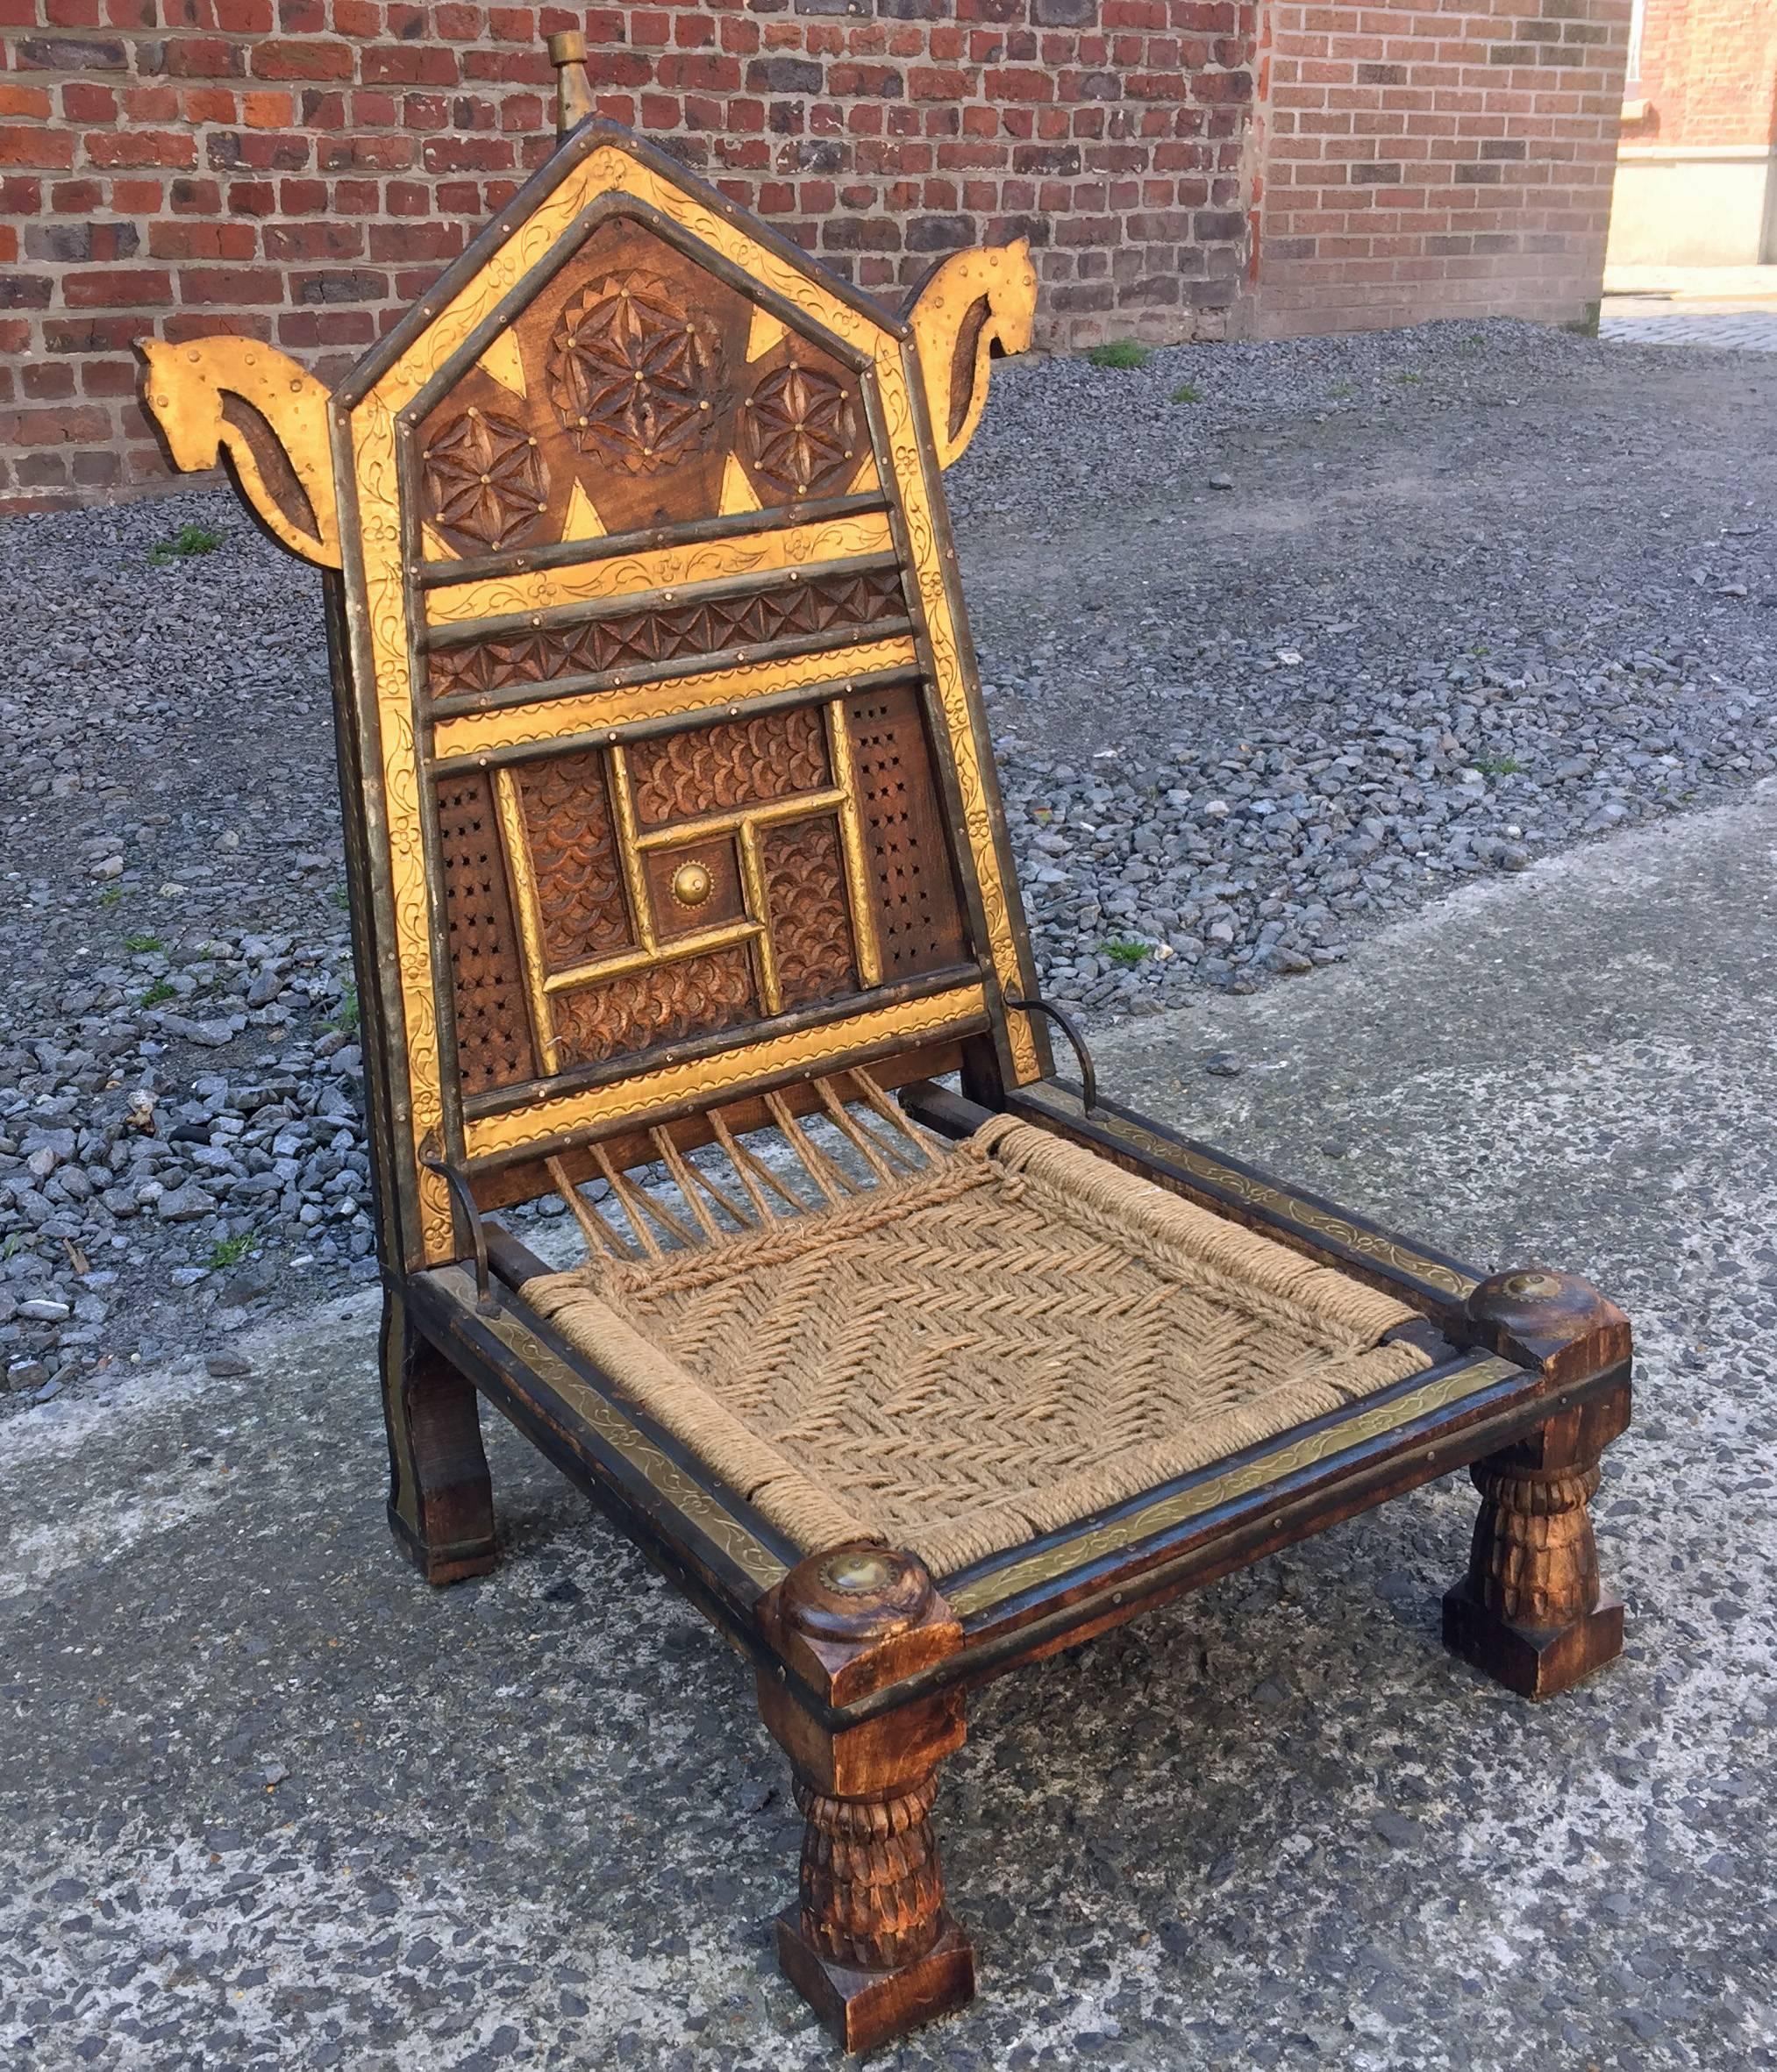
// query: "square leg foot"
[[1536, 1663], [455, 1561], [862, 2009]]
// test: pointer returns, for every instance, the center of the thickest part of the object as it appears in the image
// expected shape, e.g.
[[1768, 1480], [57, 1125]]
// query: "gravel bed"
[[1371, 616]]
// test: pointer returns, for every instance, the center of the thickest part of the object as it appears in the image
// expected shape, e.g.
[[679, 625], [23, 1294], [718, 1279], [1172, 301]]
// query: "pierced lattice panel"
[[912, 882], [493, 1028]]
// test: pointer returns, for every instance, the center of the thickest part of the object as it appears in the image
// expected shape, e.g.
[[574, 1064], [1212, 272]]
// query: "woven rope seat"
[[1013, 1337]]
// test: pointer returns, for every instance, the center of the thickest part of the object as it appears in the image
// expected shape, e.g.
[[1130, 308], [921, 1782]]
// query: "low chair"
[[681, 890]]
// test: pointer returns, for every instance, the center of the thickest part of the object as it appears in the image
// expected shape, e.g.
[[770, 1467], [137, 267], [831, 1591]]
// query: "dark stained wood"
[[1545, 1319], [870, 1943], [440, 1495], [1530, 1612], [618, 372], [912, 860]]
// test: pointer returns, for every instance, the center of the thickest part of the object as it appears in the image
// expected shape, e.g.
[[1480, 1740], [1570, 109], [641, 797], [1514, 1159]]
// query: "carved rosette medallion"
[[631, 375], [482, 480], [802, 431]]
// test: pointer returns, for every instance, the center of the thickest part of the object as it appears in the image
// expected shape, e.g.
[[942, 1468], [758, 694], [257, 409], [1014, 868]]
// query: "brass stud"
[[692, 885]]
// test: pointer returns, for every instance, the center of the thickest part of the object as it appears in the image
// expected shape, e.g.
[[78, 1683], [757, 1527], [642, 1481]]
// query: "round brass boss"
[[854, 1573], [1532, 1286], [691, 885]]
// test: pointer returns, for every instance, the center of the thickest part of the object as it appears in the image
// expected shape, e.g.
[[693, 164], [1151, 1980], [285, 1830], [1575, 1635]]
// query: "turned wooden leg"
[[1530, 1612], [869, 1943], [440, 1495]]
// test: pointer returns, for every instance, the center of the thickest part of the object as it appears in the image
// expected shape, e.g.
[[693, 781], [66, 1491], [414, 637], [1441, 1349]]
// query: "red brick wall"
[[299, 169], [1708, 74], [1424, 162]]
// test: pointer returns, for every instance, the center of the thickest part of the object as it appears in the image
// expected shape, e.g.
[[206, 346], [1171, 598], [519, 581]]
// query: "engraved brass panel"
[[1076, 1552], [660, 568]]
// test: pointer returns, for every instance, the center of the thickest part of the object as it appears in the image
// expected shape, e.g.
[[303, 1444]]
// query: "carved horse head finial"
[[971, 305], [236, 398]]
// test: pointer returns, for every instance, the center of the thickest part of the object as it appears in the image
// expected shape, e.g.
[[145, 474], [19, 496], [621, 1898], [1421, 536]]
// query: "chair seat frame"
[[1529, 1382]]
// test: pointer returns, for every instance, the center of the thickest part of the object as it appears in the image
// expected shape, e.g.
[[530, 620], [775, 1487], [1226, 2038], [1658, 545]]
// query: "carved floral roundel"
[[483, 479], [632, 374], [802, 431]]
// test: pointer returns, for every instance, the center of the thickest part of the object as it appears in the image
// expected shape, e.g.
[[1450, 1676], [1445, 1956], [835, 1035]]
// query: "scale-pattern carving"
[[493, 1027], [482, 480], [832, 604], [918, 917], [802, 431], [804, 873], [733, 763], [574, 856], [691, 996], [872, 1890], [631, 375]]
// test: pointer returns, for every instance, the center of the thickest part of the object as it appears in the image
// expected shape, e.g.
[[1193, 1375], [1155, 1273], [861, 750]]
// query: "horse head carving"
[[970, 306], [235, 399]]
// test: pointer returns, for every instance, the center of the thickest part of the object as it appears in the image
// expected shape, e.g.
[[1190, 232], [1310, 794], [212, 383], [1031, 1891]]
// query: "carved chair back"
[[665, 766]]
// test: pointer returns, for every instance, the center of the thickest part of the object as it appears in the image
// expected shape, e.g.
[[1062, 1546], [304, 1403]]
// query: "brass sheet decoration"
[[1077, 1550], [619, 358]]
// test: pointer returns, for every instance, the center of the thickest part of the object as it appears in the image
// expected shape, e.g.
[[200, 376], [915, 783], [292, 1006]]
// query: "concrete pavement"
[[1733, 308], [270, 1802]]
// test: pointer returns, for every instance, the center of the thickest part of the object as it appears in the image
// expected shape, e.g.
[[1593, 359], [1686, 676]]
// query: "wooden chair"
[[679, 883]]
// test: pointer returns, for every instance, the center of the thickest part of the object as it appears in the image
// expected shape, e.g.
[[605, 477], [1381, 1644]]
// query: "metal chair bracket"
[[463, 1199], [1070, 1028]]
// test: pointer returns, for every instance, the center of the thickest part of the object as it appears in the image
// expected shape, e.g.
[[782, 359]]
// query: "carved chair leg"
[[869, 1944], [1530, 1612], [440, 1495]]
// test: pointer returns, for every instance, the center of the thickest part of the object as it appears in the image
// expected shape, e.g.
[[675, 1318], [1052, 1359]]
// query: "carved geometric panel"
[[831, 605], [482, 480], [493, 1027], [633, 374], [733, 763], [580, 901], [913, 889], [802, 431], [656, 398], [691, 996], [804, 871]]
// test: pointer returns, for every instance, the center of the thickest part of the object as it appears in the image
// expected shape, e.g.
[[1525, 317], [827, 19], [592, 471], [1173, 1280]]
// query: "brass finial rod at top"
[[573, 87]]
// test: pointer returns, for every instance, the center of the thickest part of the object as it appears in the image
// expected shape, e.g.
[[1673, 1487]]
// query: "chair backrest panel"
[[670, 784]]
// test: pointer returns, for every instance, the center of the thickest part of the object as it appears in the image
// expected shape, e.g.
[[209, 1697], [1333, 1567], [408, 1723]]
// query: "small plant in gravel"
[[346, 1017], [189, 540], [142, 945], [1408, 378], [111, 896], [1342, 392], [1498, 765], [1125, 953], [229, 1251], [157, 993], [341, 899], [1120, 352], [1187, 392]]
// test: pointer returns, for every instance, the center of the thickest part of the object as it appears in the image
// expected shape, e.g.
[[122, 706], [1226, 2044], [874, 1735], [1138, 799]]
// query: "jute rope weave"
[[959, 1359]]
